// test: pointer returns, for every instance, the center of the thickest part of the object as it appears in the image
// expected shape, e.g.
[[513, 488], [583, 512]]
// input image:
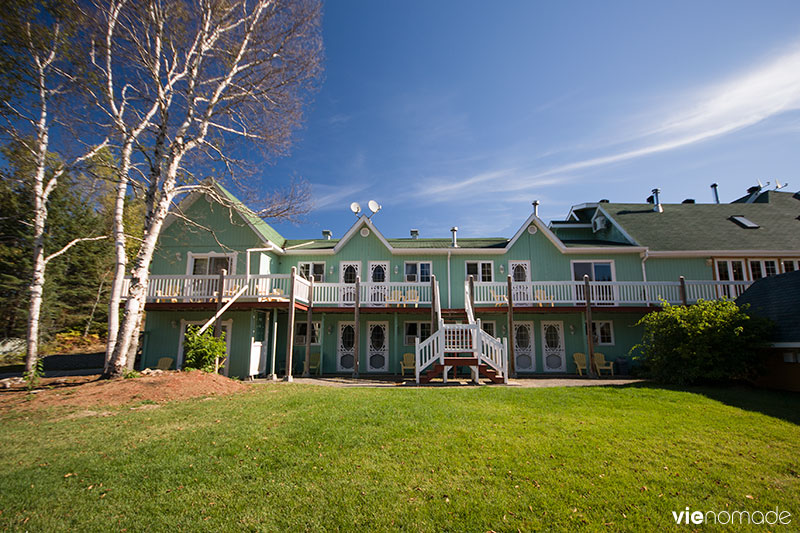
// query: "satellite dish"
[[374, 206], [355, 208]]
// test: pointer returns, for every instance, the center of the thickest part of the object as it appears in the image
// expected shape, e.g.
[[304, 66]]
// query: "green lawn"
[[293, 457]]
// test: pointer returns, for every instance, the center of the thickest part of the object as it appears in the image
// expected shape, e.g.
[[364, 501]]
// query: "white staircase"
[[454, 345]]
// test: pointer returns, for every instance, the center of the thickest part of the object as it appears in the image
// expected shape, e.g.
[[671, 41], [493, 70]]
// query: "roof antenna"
[[779, 185], [716, 193], [374, 207], [355, 208]]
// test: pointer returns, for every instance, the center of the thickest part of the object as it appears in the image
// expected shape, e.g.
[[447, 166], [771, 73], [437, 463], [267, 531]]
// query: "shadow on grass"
[[775, 403]]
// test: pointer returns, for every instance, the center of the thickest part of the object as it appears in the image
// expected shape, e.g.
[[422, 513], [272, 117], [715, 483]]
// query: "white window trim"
[[311, 268], [191, 256], [344, 264], [316, 324], [572, 267], [388, 266], [479, 263], [795, 262], [596, 324], [762, 262], [418, 263], [417, 322], [728, 261], [182, 333]]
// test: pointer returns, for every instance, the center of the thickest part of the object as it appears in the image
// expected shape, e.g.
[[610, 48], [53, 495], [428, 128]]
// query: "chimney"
[[327, 234], [454, 230], [536, 208], [716, 193], [658, 208], [415, 234]]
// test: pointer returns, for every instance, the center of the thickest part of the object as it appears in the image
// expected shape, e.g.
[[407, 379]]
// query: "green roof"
[[710, 227], [265, 229]]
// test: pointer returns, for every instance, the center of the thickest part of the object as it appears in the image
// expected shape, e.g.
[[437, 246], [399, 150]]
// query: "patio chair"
[[395, 298], [412, 297], [314, 363], [580, 361], [601, 364], [408, 363], [542, 296], [165, 363], [499, 299]]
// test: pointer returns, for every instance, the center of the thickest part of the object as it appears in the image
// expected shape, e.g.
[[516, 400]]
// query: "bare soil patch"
[[91, 391]]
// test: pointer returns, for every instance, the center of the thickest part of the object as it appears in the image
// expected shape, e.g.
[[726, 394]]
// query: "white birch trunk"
[[120, 253]]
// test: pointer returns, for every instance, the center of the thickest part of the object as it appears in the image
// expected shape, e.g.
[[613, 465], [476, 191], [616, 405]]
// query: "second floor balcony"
[[280, 288]]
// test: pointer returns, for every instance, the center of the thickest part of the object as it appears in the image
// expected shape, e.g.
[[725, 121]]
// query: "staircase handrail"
[[428, 351], [468, 303], [492, 352]]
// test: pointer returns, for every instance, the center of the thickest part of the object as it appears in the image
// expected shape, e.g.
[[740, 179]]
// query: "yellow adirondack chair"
[[395, 298], [314, 363], [600, 363], [412, 297], [408, 363], [580, 362], [499, 299]]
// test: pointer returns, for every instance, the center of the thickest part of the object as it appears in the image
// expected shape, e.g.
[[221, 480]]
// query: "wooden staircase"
[[437, 369]]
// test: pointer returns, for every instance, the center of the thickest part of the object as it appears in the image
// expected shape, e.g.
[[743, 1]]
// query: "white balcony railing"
[[552, 293], [275, 287]]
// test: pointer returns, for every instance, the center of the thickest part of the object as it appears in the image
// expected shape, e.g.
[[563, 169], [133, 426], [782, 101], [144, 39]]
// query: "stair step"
[[437, 369]]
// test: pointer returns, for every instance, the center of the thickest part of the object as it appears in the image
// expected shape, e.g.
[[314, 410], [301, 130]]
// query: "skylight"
[[744, 222]]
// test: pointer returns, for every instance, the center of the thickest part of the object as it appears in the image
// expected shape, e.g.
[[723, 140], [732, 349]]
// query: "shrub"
[[710, 341], [201, 350]]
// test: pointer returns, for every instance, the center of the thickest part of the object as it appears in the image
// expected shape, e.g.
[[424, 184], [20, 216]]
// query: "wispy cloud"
[[742, 101], [327, 197]]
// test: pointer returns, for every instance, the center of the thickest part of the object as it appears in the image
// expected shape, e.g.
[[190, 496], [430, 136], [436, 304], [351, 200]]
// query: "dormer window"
[[599, 223]]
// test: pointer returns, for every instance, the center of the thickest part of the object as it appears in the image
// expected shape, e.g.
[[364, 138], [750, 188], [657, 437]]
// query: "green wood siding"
[[670, 269]]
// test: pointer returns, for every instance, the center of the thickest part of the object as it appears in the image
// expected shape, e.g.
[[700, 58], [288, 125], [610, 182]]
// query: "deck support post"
[[309, 330], [217, 325], [511, 366], [472, 294], [290, 329], [587, 289], [357, 327], [683, 290], [274, 347]]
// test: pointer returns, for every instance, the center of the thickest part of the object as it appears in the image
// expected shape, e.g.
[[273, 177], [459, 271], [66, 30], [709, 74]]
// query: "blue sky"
[[463, 113]]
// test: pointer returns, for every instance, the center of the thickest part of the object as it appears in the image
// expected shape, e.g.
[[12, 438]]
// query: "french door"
[[524, 352], [345, 347], [348, 273], [377, 347], [553, 351]]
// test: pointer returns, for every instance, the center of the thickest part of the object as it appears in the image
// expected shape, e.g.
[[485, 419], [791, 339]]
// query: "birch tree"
[[34, 39], [207, 78]]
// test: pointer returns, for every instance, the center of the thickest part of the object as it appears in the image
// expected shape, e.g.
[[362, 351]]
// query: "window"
[[603, 332], [420, 272], [597, 271], [730, 270], [417, 329], [300, 329], [210, 264], [763, 269], [488, 327], [744, 222], [480, 270], [260, 327], [312, 269], [790, 266]]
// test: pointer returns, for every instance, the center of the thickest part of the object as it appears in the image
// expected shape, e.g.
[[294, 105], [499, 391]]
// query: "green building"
[[373, 299]]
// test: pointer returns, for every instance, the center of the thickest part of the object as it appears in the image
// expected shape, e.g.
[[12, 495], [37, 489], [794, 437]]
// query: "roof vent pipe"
[[657, 208], [415, 234], [454, 229], [536, 208], [716, 193], [327, 234]]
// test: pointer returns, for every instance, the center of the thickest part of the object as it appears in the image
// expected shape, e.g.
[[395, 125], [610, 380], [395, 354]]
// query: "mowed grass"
[[295, 457]]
